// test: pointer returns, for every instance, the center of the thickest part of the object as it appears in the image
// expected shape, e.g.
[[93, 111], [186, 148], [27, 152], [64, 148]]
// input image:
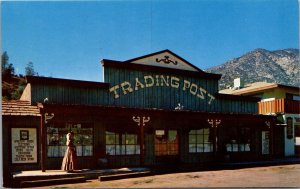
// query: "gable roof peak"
[[165, 58]]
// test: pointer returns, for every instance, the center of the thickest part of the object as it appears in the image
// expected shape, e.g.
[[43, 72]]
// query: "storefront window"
[[239, 140], [199, 141], [122, 143], [56, 139]]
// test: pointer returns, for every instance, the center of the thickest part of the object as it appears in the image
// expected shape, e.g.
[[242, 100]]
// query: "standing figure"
[[70, 159]]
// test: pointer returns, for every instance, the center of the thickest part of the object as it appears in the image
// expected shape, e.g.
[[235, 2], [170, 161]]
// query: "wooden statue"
[[69, 162]]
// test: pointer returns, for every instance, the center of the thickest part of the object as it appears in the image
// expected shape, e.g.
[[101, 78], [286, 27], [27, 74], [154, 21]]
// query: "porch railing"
[[279, 106]]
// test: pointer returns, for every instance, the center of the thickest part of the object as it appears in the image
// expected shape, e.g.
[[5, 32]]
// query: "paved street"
[[272, 176]]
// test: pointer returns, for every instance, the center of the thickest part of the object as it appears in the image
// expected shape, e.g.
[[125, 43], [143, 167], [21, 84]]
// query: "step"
[[48, 182], [124, 176]]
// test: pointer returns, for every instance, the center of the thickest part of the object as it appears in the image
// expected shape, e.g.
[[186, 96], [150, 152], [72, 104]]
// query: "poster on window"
[[265, 142], [24, 145]]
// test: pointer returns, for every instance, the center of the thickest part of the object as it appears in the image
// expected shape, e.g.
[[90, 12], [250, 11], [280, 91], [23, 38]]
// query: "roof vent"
[[238, 83]]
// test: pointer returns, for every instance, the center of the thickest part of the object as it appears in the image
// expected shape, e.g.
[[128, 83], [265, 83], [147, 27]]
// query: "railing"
[[279, 106]]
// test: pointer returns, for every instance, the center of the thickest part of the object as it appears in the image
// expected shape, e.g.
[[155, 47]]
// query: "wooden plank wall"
[[164, 97], [69, 95], [161, 97]]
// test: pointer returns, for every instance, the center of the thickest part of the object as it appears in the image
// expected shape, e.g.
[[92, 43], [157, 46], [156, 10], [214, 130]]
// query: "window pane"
[[123, 149], [79, 150], [206, 138], [137, 148], [200, 139], [131, 139], [192, 147], [206, 131], [200, 147], [192, 139], [172, 134], [87, 150], [62, 150], [192, 132], [118, 150], [110, 149], [130, 149], [110, 138], [200, 131]]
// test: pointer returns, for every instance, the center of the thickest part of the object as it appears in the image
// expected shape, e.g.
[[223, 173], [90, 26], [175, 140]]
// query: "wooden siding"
[[167, 97], [279, 106], [68, 94]]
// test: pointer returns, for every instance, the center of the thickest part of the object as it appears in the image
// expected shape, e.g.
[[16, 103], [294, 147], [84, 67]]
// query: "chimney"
[[238, 83]]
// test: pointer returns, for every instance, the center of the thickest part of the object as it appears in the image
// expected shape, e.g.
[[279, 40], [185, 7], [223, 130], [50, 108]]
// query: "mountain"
[[279, 66]]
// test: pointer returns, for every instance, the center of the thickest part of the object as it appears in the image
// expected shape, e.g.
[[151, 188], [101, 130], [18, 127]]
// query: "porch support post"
[[141, 123], [42, 138], [214, 125]]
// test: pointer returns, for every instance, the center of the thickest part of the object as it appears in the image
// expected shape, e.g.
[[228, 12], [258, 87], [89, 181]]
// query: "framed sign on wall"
[[24, 145]]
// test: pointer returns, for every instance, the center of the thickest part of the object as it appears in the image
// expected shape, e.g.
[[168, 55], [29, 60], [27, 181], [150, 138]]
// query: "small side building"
[[282, 101], [21, 142]]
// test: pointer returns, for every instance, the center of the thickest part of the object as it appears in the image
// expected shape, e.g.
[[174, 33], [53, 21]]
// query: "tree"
[[29, 70], [7, 68]]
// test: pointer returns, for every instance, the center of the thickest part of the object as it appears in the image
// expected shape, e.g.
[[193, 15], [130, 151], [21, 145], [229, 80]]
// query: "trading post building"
[[153, 110]]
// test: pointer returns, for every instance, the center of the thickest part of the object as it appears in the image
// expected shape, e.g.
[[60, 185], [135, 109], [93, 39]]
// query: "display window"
[[239, 140], [122, 143], [56, 138], [199, 141]]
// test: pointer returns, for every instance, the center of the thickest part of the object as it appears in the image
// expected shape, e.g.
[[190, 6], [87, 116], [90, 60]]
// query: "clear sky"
[[68, 39]]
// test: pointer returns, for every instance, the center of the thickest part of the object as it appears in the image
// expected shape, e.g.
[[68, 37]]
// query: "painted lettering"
[[157, 80], [126, 87], [211, 98], [164, 81], [114, 90], [149, 81], [193, 89], [202, 92], [138, 84], [175, 82], [186, 85]]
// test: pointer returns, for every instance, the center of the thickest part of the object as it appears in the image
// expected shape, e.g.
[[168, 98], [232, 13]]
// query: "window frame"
[[202, 140], [58, 130]]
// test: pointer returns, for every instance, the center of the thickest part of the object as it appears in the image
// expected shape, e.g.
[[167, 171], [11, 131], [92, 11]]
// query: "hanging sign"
[[24, 145]]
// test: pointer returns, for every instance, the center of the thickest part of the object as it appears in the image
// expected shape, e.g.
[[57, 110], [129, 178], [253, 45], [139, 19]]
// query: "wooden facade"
[[153, 110], [279, 106]]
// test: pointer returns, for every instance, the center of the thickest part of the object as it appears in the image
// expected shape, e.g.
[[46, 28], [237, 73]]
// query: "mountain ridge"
[[279, 66]]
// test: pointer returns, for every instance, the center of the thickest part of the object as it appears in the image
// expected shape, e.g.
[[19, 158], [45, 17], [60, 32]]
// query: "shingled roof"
[[19, 108]]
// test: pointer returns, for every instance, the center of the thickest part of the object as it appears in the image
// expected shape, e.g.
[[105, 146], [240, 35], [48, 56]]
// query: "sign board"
[[265, 142], [24, 145], [160, 132]]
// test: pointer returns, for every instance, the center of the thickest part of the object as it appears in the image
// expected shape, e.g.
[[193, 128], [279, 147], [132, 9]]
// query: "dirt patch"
[[273, 176]]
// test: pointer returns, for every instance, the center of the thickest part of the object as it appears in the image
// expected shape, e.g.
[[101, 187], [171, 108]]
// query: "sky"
[[68, 39]]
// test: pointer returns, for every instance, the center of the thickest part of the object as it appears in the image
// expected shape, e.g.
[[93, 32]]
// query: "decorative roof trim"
[[141, 67], [164, 51]]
